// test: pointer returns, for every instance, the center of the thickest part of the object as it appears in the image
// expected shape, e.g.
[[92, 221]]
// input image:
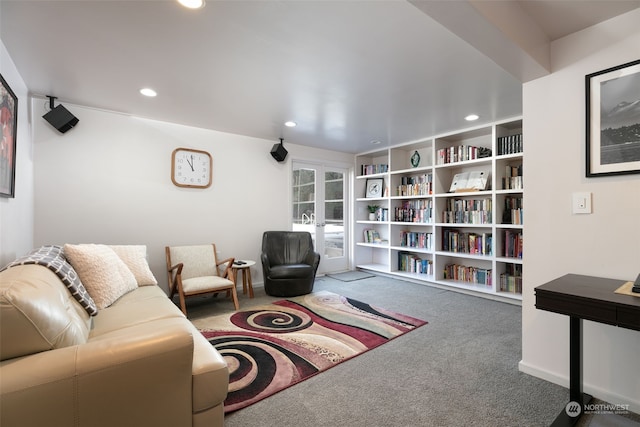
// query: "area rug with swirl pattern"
[[271, 347]]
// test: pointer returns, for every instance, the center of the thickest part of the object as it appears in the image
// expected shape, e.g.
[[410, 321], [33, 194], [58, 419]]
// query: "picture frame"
[[613, 121], [9, 126], [374, 188]]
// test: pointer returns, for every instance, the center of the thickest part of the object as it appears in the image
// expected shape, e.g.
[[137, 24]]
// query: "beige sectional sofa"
[[137, 362]]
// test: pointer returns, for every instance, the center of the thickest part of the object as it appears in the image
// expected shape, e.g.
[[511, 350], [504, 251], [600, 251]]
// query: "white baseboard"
[[597, 392]]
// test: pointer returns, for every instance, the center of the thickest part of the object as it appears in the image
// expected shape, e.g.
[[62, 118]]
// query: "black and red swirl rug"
[[271, 347]]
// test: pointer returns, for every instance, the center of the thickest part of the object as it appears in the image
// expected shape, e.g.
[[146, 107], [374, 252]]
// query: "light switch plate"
[[581, 203]]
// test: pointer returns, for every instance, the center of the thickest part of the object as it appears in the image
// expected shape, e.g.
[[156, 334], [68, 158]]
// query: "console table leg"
[[575, 360], [577, 399]]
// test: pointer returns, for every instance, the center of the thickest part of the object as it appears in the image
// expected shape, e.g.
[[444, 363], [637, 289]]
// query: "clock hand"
[[191, 163]]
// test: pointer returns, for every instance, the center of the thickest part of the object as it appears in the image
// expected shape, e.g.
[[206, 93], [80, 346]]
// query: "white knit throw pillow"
[[135, 257], [102, 272]]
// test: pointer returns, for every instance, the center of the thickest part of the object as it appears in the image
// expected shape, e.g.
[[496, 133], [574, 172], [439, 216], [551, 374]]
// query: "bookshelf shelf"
[[416, 199]]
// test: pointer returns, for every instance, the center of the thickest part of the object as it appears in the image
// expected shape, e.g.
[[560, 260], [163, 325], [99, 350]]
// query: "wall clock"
[[191, 168]]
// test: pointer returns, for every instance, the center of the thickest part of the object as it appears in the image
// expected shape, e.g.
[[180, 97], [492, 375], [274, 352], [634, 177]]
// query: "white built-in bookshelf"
[[466, 236]]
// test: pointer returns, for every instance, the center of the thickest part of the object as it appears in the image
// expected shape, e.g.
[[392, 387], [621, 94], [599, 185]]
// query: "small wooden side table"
[[245, 269]]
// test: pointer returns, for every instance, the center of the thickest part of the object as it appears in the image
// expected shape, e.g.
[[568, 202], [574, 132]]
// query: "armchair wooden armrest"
[[228, 272], [173, 278]]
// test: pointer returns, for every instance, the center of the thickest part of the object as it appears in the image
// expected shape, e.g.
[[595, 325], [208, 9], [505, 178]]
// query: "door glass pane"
[[304, 203], [334, 214]]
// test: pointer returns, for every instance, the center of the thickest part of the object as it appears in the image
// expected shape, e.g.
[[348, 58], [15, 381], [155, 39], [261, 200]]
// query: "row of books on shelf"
[[468, 204], [511, 279], [510, 144], [468, 243], [416, 179], [512, 183], [373, 169], [419, 211], [416, 239], [371, 235], [513, 211], [466, 217], [513, 243], [420, 189], [463, 273], [512, 179], [461, 153], [510, 284], [382, 214], [411, 263], [513, 216], [467, 211]]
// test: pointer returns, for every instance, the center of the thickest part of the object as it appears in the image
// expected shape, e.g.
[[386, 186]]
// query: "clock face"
[[191, 168]]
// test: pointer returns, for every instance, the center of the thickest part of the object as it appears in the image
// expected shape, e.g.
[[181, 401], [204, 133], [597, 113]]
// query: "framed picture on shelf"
[[613, 121], [9, 125], [375, 187]]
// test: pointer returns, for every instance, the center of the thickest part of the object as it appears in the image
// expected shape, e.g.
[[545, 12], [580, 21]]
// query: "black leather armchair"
[[289, 263]]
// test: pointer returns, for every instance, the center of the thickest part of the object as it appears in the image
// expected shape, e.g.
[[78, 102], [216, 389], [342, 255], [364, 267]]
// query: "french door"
[[319, 207]]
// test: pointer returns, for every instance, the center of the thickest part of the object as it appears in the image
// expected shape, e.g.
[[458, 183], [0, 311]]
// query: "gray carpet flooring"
[[459, 370]]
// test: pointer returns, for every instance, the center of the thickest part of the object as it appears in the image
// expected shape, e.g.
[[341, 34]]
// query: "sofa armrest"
[[135, 376]]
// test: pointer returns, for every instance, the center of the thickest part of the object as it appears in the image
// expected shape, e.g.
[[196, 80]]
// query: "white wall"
[[605, 243], [16, 214], [108, 181]]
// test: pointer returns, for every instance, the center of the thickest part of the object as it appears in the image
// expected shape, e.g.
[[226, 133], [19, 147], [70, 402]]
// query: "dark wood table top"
[[590, 298]]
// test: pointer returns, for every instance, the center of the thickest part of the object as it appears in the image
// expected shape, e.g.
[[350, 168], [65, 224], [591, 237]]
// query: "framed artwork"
[[9, 124], [374, 187], [613, 121]]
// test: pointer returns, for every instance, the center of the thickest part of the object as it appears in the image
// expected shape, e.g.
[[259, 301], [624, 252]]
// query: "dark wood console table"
[[591, 298]]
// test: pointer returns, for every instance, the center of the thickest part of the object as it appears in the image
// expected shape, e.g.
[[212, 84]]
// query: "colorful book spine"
[[419, 211], [410, 263], [469, 243], [414, 239], [467, 211], [461, 153], [467, 274], [511, 279], [373, 169], [510, 144]]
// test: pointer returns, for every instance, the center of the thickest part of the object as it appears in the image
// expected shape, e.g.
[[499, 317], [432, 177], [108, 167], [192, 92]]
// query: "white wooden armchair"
[[195, 270]]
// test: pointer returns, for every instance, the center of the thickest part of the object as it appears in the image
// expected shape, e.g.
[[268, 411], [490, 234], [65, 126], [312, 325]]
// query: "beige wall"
[[605, 243], [108, 181]]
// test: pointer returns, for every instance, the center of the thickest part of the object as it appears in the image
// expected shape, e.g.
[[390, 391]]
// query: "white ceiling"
[[348, 72]]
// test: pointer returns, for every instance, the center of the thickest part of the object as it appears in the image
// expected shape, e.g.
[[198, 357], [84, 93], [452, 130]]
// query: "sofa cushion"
[[143, 305], [51, 257], [135, 257], [103, 273], [37, 312]]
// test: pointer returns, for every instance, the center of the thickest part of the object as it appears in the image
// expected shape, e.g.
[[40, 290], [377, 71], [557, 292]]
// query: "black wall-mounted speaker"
[[279, 152], [61, 119]]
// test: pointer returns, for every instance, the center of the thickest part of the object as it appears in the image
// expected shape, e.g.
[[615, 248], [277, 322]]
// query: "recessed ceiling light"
[[192, 4], [148, 92], [472, 117], [290, 124]]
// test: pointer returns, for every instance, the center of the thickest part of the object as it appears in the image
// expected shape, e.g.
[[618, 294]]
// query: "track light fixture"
[[59, 117], [279, 152]]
